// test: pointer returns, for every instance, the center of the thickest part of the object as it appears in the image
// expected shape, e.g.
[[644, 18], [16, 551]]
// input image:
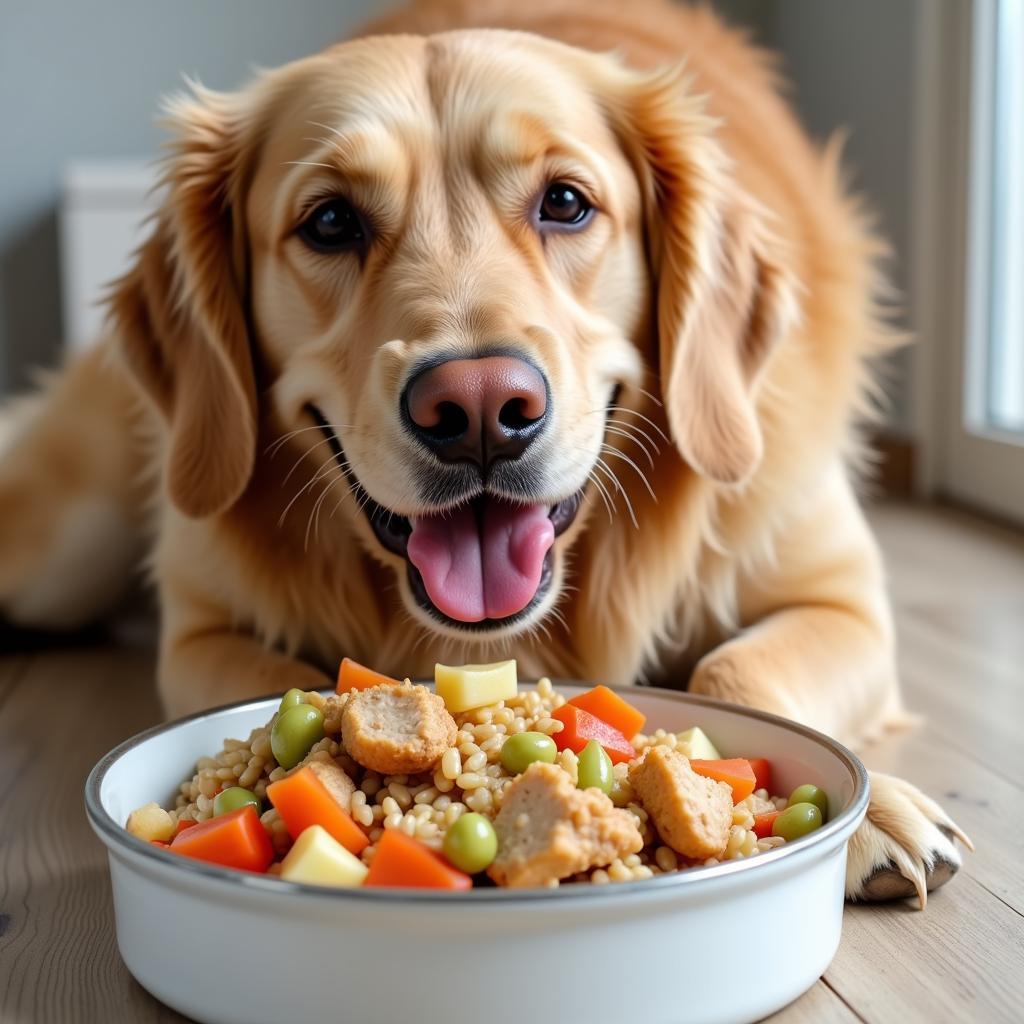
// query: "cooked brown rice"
[[468, 777]]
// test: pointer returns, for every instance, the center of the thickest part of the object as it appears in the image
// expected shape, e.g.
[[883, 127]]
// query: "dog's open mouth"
[[481, 565]]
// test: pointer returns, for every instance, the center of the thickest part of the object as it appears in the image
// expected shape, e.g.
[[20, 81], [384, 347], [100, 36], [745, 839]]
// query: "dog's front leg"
[[217, 666], [211, 651], [818, 648], [827, 668], [817, 639]]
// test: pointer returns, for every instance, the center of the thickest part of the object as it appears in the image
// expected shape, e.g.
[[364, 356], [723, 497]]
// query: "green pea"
[[522, 749], [808, 794], [471, 843], [595, 768], [796, 821], [294, 732], [233, 798], [292, 699]]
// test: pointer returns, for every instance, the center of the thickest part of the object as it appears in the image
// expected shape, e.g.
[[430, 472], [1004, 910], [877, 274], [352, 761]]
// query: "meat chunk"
[[332, 710], [396, 730], [548, 829], [336, 781], [692, 814]]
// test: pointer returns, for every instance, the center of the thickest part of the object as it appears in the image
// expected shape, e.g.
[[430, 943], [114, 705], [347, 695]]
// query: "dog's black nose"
[[477, 410]]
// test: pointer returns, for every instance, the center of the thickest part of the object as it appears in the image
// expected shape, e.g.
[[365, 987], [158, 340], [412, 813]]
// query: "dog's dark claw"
[[886, 883], [941, 872], [943, 869]]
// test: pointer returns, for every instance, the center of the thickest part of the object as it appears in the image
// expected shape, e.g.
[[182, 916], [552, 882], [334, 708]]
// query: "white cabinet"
[[104, 206]]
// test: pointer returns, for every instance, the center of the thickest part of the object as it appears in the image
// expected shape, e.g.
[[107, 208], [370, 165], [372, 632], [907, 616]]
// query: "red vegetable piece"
[[353, 676], [301, 800], [581, 727], [762, 772], [399, 861], [763, 824], [736, 771], [235, 840], [611, 708]]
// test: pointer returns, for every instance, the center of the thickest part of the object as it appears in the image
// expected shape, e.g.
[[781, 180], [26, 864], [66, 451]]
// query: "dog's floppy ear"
[[179, 312], [723, 301]]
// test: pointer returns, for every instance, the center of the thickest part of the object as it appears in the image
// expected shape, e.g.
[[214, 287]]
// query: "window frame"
[[962, 457]]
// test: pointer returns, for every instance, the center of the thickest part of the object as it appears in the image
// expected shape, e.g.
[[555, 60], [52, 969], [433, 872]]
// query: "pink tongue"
[[482, 570]]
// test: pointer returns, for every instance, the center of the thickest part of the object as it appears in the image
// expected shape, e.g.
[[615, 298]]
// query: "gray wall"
[[852, 66], [81, 79]]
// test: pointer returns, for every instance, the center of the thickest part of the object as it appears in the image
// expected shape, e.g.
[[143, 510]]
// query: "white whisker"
[[363, 502], [647, 394], [295, 466], [275, 445], [636, 441], [632, 428], [337, 505], [319, 506], [646, 419], [556, 613], [314, 511], [603, 491], [601, 464], [320, 474], [326, 128], [341, 463], [609, 450], [537, 627], [308, 163], [334, 508]]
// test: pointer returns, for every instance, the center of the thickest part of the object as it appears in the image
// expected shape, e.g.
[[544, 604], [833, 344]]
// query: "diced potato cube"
[[151, 822], [695, 745], [473, 686], [319, 859]]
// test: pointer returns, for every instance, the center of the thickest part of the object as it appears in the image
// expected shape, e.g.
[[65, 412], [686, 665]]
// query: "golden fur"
[[728, 286]]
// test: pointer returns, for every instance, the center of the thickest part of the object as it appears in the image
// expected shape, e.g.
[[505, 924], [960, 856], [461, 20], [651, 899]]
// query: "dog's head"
[[446, 268]]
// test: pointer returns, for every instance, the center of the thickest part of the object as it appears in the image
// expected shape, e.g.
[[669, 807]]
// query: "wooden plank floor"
[[958, 586]]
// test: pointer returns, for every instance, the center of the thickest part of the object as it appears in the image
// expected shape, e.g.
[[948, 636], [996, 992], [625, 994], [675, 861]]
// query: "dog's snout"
[[477, 409]]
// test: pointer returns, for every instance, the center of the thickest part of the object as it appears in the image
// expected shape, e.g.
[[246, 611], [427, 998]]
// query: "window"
[[1003, 400], [969, 253]]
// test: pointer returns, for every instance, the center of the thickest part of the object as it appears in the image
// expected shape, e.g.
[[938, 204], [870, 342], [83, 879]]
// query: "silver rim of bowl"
[[116, 836]]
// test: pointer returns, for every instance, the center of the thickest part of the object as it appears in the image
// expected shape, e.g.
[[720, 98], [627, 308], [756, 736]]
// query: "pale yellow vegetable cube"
[[694, 743], [317, 858], [473, 686], [151, 822]]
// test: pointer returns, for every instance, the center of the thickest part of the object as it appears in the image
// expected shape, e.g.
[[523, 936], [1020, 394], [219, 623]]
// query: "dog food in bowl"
[[481, 783], [386, 953]]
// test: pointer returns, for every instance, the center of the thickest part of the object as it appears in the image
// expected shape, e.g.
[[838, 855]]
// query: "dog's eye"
[[334, 225], [564, 204]]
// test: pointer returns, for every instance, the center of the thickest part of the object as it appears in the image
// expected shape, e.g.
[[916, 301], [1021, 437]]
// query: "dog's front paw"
[[905, 845], [733, 673]]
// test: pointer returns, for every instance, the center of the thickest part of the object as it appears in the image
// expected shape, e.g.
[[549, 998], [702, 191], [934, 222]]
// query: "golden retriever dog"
[[472, 339]]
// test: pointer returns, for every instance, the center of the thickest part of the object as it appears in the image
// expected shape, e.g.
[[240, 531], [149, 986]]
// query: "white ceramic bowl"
[[729, 943]]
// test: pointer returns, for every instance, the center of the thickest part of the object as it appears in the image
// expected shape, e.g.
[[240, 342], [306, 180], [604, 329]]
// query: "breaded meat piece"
[[396, 730], [692, 814], [335, 781], [548, 829]]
